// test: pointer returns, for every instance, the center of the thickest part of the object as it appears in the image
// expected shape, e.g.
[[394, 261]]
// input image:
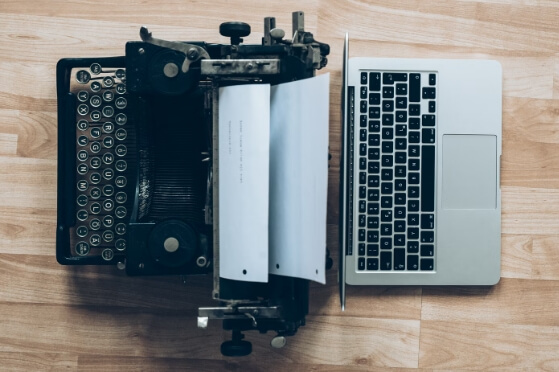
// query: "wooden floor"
[[55, 318]]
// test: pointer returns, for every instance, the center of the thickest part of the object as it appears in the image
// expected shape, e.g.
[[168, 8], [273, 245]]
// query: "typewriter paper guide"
[[244, 137], [299, 178], [295, 146]]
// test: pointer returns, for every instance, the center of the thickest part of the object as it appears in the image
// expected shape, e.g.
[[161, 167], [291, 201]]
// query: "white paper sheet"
[[299, 178], [244, 138]]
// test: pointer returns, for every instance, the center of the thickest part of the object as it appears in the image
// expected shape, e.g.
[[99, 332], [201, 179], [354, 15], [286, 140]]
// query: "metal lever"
[[193, 53]]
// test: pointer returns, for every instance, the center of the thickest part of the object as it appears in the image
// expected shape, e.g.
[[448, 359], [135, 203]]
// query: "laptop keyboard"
[[394, 162]]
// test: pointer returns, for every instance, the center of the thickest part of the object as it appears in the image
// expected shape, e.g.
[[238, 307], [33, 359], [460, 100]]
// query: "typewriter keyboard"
[[394, 171], [105, 175]]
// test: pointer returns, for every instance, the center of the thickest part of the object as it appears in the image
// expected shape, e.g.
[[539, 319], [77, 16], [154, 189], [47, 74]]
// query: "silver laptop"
[[420, 173]]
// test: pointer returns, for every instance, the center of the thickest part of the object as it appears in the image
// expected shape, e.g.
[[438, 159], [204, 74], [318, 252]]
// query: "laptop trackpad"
[[469, 178]]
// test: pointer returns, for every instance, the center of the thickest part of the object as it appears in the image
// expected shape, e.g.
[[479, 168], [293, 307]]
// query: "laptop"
[[420, 200]]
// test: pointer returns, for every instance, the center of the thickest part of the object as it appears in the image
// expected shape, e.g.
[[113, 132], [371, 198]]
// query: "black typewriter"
[[136, 149]]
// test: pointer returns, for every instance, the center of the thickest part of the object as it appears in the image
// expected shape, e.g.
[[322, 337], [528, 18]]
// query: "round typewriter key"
[[108, 95], [83, 109], [95, 178], [82, 200], [82, 185], [82, 249], [108, 111], [95, 162], [108, 127], [121, 88], [95, 116], [120, 103], [83, 95], [108, 174], [121, 165], [121, 197], [108, 221], [82, 155], [108, 81], [120, 244], [94, 240], [95, 132], [120, 228], [108, 190], [95, 193], [95, 147], [95, 86], [95, 224], [107, 254], [121, 119], [82, 215], [108, 142], [82, 140], [120, 181], [82, 125], [120, 150], [108, 236], [120, 73], [83, 76], [82, 168], [108, 205], [95, 68], [120, 212], [108, 158], [95, 208], [81, 231], [95, 101], [120, 134]]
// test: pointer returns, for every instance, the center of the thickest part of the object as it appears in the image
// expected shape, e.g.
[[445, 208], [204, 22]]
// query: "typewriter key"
[[108, 236], [120, 134], [120, 244], [83, 76], [108, 95], [121, 119], [107, 254], [95, 224], [120, 73], [120, 212], [108, 111], [82, 249], [83, 95], [95, 68], [120, 229], [82, 125], [83, 109], [120, 165], [81, 231], [95, 86], [121, 197], [82, 200], [95, 101], [108, 221], [120, 103], [108, 81], [108, 190], [121, 89]]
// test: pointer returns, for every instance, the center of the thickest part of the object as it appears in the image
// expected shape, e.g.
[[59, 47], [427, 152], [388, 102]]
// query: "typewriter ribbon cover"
[[273, 177]]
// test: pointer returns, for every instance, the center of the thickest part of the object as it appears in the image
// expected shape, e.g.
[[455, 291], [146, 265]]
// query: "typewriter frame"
[[282, 303]]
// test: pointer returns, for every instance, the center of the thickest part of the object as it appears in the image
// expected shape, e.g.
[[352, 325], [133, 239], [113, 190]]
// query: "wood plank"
[[529, 211], [8, 144], [27, 230], [35, 131], [39, 362], [516, 256], [487, 346], [512, 301]]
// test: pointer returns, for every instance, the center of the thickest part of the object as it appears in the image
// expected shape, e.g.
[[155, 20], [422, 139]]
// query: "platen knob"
[[234, 30]]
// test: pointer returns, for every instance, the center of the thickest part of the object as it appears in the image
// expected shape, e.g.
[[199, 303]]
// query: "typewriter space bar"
[[427, 178]]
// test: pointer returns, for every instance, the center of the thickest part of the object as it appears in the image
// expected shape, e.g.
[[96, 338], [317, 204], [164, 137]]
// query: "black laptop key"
[[374, 126], [428, 135], [432, 106], [387, 119], [363, 92], [374, 167], [361, 249], [363, 135], [413, 262], [414, 110], [362, 220], [386, 202], [362, 163], [362, 178], [401, 103], [362, 192], [387, 133], [373, 195], [363, 78], [427, 250], [399, 259], [387, 105], [414, 123], [428, 178], [414, 137], [415, 87], [427, 221], [413, 247], [361, 235], [374, 81], [432, 79], [374, 140], [429, 93], [362, 206], [387, 147], [372, 236], [428, 120], [363, 120], [374, 154], [361, 263], [386, 260], [401, 89], [374, 112], [391, 77], [374, 99], [372, 250], [363, 106], [372, 263], [388, 92], [363, 149], [373, 222], [373, 181], [427, 264], [373, 209], [401, 116]]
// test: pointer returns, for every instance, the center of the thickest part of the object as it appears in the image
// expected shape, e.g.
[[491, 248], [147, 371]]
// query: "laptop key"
[[427, 264], [427, 178], [374, 81], [372, 263], [415, 87], [386, 260], [413, 262], [399, 259], [361, 264]]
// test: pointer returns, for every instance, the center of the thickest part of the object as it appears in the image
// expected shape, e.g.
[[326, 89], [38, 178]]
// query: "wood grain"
[[55, 318]]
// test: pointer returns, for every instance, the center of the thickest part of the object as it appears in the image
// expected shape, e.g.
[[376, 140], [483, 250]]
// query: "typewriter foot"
[[236, 347]]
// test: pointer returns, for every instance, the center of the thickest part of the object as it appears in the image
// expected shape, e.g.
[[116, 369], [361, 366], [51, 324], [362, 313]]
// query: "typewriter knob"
[[234, 30], [173, 243]]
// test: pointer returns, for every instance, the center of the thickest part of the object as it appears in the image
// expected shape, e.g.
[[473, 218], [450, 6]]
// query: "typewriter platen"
[[136, 158]]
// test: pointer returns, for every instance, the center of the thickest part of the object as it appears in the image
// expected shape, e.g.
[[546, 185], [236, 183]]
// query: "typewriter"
[[136, 151]]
